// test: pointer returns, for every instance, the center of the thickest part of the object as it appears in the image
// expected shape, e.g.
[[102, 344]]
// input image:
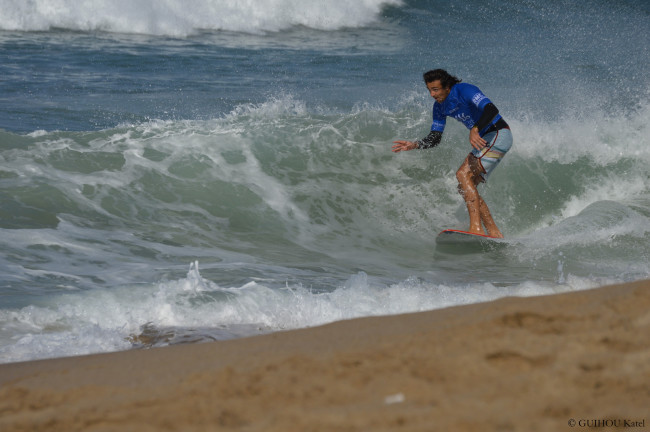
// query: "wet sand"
[[515, 364]]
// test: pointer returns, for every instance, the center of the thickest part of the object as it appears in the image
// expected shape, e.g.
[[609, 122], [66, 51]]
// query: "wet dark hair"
[[446, 80]]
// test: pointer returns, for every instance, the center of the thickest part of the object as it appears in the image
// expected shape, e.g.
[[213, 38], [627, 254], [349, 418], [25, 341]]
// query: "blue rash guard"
[[465, 103]]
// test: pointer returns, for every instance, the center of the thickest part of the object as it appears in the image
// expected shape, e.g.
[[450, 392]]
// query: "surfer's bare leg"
[[486, 218], [467, 188], [469, 177], [484, 211]]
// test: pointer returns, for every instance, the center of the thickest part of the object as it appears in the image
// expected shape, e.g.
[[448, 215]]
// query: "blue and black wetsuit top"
[[467, 104]]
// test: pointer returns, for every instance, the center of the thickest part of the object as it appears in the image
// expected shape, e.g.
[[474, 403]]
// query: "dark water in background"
[[222, 171]]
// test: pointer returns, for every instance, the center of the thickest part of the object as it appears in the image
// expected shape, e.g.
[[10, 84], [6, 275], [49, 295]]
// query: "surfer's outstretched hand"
[[401, 145]]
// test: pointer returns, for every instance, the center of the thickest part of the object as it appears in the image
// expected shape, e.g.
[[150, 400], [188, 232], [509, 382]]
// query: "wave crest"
[[180, 18]]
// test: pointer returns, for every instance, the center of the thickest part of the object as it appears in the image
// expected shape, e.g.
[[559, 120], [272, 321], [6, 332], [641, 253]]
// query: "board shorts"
[[498, 144]]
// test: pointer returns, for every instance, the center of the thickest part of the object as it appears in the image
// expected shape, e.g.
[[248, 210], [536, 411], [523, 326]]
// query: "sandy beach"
[[563, 362]]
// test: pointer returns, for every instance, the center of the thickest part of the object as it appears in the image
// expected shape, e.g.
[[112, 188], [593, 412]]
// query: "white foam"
[[602, 137], [610, 187], [281, 105], [103, 320], [181, 18]]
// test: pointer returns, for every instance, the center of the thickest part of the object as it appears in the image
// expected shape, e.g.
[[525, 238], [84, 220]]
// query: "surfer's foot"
[[480, 231], [495, 233]]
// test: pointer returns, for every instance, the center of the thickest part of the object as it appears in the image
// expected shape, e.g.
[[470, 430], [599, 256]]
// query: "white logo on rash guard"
[[465, 119], [438, 125], [478, 97]]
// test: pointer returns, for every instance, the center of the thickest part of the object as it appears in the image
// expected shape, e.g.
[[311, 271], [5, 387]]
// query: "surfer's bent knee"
[[469, 174]]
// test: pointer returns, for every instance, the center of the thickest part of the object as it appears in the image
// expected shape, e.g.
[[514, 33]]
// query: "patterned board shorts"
[[498, 144]]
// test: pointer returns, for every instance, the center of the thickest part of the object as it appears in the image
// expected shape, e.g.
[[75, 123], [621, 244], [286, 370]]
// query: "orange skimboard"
[[452, 236]]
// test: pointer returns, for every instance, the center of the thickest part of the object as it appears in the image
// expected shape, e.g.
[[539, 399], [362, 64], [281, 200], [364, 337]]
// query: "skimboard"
[[457, 237]]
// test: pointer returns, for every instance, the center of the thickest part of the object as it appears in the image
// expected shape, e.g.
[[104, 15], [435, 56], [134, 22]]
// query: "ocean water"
[[176, 172]]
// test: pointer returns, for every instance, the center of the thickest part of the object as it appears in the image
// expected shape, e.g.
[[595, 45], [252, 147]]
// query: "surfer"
[[489, 136]]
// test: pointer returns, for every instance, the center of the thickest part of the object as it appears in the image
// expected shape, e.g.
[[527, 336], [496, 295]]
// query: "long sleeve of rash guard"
[[431, 140], [489, 112]]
